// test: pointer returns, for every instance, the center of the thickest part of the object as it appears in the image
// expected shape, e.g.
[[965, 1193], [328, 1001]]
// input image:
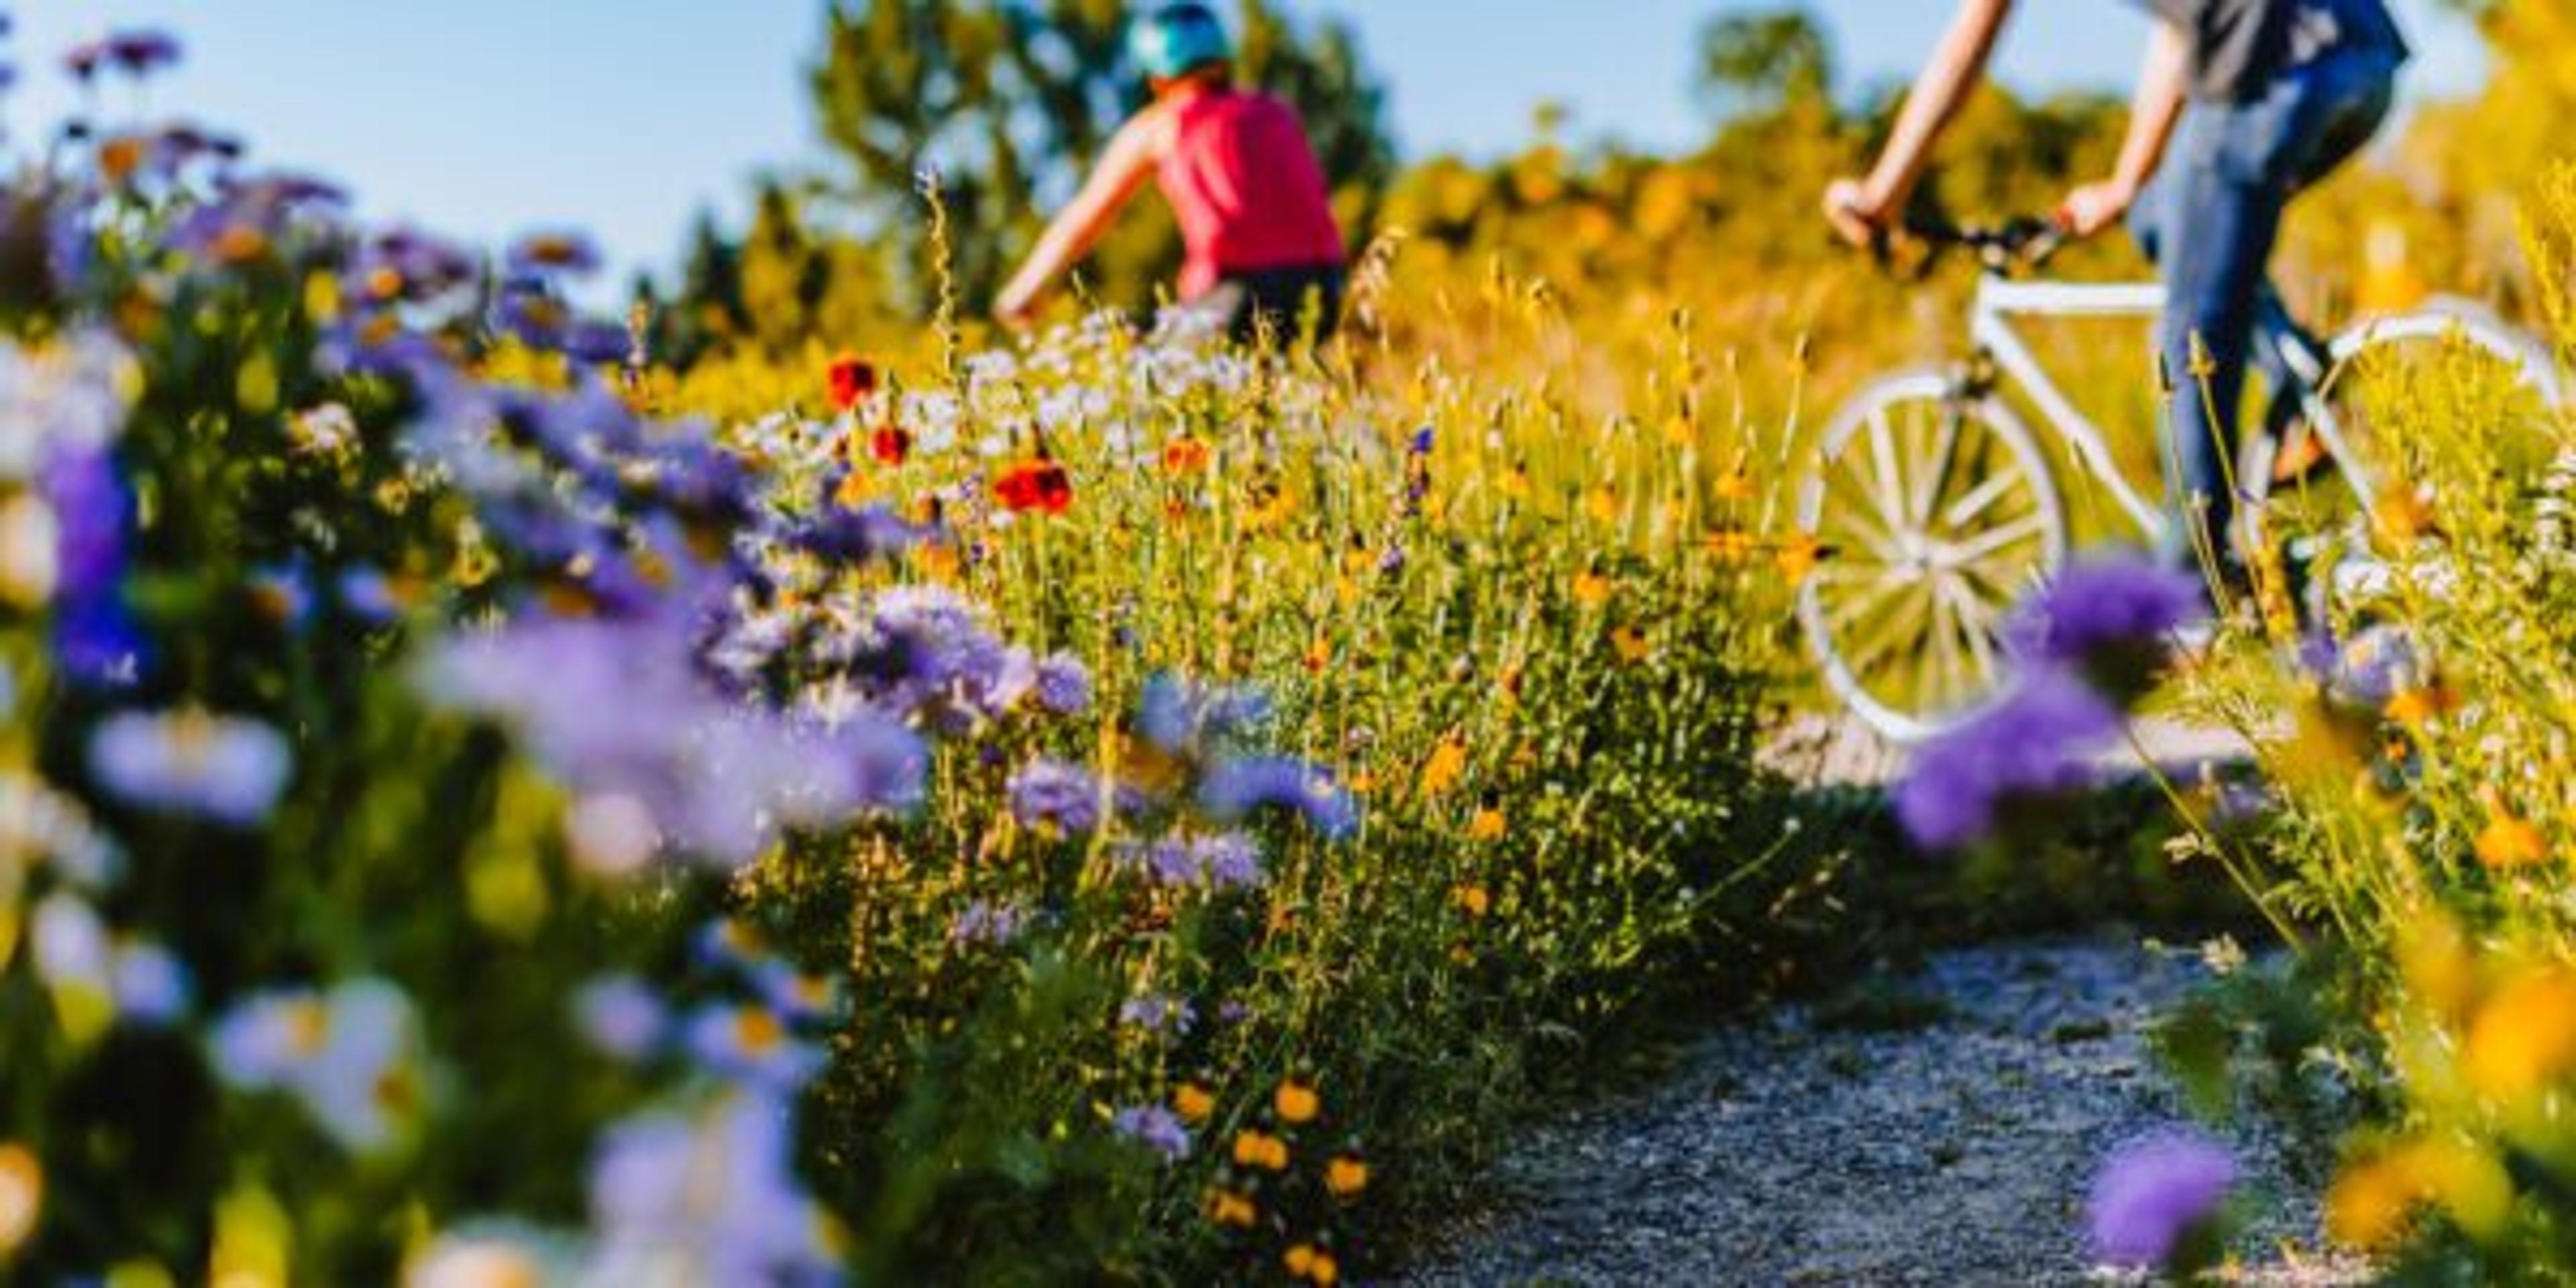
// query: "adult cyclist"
[[1264, 251], [2256, 100]]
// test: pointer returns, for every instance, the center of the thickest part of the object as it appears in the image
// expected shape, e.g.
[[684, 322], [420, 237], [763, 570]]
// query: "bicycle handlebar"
[[2013, 246]]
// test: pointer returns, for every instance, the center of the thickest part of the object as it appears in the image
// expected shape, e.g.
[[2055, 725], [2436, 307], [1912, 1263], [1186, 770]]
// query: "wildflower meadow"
[[783, 782]]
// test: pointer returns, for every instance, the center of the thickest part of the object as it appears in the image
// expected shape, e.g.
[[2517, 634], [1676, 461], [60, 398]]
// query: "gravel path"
[[1944, 1134]]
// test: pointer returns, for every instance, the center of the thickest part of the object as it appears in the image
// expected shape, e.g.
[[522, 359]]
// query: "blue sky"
[[488, 117]]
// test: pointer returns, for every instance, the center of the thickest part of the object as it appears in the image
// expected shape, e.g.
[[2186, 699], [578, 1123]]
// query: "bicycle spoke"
[[1976, 627], [1981, 498], [1853, 513], [1944, 682], [1998, 540], [1905, 630], [1936, 473], [1891, 476], [1853, 613]]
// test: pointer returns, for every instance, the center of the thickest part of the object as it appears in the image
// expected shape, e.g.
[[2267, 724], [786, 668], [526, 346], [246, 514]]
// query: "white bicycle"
[[1936, 508]]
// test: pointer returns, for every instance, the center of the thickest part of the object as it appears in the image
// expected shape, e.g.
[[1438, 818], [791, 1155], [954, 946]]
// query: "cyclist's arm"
[[2163, 87], [1115, 181], [1956, 66]]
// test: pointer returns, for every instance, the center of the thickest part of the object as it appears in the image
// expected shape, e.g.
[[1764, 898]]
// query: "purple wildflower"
[[1155, 1128], [2111, 618], [710, 1198], [94, 635], [621, 1017], [865, 535], [1178, 716], [987, 925], [227, 769], [751, 1045], [2367, 671], [1064, 686], [1157, 1014], [621, 708], [2033, 744], [140, 52], [2154, 1194], [152, 985], [1239, 788], [1228, 861], [567, 254], [1051, 796]]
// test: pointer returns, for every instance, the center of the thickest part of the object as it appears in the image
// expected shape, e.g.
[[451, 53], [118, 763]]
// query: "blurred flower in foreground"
[[2156, 1198], [711, 1198], [488, 1258], [2030, 747], [752, 1044], [224, 768], [1181, 717], [350, 1056], [2373, 1201], [621, 1016], [1239, 788], [621, 708], [2111, 618], [22, 1197]]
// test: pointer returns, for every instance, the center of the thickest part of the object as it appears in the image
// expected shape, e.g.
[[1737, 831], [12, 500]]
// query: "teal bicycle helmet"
[[1178, 39]]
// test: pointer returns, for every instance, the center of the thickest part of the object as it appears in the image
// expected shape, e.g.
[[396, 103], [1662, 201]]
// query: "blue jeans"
[[2211, 221]]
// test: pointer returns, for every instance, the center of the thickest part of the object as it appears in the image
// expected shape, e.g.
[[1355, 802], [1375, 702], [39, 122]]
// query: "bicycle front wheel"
[[1935, 510], [2342, 482]]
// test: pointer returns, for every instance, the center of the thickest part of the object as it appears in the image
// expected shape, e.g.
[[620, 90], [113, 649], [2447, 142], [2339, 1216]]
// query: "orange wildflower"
[[1297, 1103]]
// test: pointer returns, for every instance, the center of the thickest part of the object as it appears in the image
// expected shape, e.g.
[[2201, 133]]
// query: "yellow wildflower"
[[1299, 1260], [1297, 1103], [1318, 656], [2510, 842], [1631, 645], [1473, 899], [1591, 589], [1346, 1176], [1260, 1149], [22, 1197], [2416, 706], [1448, 763], [1194, 1103], [1232, 1208], [1798, 557], [2369, 1205], [1602, 504], [1487, 825], [2524, 1037], [2402, 514], [1736, 486]]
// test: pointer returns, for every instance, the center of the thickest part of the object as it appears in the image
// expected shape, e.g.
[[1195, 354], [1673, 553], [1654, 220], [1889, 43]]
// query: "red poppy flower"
[[1185, 455], [1039, 485], [853, 380], [891, 444]]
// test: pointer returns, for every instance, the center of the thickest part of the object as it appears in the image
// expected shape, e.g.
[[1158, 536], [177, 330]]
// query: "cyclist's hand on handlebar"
[[1857, 216], [2094, 207]]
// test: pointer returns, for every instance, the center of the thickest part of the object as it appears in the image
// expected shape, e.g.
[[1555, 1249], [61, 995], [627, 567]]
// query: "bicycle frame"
[[1990, 327]]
